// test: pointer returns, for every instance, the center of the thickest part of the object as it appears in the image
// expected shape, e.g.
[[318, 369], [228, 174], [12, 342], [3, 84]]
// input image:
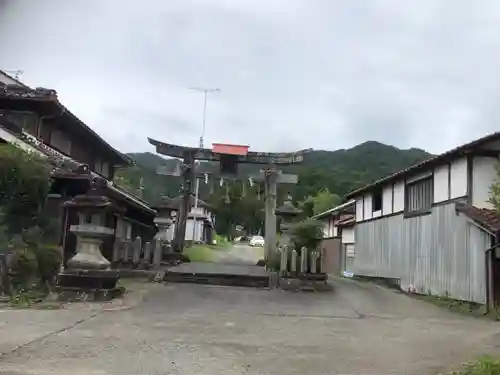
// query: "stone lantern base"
[[88, 285]]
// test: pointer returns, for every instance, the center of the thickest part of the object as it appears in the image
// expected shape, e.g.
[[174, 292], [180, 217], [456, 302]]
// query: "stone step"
[[255, 281]]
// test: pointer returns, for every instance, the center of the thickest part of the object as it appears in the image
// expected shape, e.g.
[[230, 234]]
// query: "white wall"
[[368, 207], [189, 230], [458, 178], [441, 183], [455, 174], [329, 230], [348, 235], [387, 200], [483, 175], [359, 209], [399, 196]]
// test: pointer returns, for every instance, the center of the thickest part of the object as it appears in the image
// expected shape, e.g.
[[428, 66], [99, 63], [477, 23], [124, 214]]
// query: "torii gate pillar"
[[272, 177], [271, 187]]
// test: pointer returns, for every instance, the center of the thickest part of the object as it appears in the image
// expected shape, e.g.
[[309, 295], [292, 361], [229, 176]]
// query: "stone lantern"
[[165, 218], [288, 213], [88, 274], [167, 212]]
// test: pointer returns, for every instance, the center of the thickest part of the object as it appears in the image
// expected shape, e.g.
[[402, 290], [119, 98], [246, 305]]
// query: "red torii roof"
[[229, 149]]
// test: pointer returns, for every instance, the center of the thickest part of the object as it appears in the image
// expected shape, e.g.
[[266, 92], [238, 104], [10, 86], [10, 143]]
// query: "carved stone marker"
[[147, 255], [157, 253], [136, 248]]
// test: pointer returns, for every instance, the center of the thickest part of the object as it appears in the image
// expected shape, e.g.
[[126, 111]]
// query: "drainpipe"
[[489, 254], [42, 118]]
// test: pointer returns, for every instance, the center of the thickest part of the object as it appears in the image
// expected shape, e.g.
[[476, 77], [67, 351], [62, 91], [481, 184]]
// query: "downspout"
[[42, 118], [489, 253]]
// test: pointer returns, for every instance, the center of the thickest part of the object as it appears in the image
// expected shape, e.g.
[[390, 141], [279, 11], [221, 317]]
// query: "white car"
[[257, 241]]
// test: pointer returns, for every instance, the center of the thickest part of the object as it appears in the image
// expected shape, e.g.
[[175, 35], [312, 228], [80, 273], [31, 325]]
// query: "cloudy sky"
[[293, 74]]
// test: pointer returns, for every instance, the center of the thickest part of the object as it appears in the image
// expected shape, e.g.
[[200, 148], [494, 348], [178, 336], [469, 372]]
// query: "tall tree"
[[322, 201]]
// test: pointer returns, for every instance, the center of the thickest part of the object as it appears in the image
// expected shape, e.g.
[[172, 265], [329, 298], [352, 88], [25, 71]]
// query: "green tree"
[[494, 198], [24, 185], [322, 201]]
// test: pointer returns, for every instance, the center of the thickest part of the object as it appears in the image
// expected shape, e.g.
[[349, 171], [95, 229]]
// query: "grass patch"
[[483, 366], [459, 307], [203, 253]]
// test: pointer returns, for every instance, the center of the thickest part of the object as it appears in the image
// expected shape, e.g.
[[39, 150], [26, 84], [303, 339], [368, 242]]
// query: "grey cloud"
[[293, 73]]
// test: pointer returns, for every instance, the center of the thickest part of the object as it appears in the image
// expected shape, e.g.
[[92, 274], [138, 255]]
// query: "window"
[[102, 168], [27, 121], [418, 196], [59, 141], [377, 200]]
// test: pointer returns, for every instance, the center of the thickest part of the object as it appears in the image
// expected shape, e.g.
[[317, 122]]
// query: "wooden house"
[[430, 227], [36, 121]]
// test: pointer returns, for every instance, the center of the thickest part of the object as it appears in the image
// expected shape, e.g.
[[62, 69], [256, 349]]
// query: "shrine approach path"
[[180, 329]]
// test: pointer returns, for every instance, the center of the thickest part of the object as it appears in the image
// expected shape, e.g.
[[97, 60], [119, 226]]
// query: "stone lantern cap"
[[89, 202], [167, 206], [287, 209]]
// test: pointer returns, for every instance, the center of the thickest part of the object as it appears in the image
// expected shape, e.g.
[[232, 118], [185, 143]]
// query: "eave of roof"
[[434, 161], [40, 94], [334, 210], [46, 151]]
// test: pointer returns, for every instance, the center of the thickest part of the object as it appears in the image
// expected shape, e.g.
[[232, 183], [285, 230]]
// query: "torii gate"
[[229, 156]]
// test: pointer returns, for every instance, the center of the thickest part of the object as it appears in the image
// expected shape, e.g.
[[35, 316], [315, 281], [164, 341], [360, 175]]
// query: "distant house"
[[429, 226], [35, 120], [202, 217], [335, 252]]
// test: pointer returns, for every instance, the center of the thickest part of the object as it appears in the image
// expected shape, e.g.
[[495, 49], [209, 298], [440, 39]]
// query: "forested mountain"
[[337, 172]]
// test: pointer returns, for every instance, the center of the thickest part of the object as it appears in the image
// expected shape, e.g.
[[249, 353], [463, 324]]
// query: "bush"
[[308, 234]]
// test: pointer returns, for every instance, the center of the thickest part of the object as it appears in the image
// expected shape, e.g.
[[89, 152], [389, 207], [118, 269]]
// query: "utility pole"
[[205, 92]]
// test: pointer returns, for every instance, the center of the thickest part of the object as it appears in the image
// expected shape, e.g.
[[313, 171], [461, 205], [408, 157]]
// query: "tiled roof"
[[49, 95], [23, 92], [175, 203], [63, 165], [487, 218]]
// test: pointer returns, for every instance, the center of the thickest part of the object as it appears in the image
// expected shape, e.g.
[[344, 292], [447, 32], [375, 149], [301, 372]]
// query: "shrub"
[[23, 268], [308, 234]]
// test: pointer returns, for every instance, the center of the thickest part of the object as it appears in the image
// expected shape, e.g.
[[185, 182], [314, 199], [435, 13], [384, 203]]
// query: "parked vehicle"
[[257, 241]]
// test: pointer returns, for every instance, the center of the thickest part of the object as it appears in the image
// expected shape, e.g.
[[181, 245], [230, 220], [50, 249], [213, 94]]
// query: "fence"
[[304, 262], [135, 254]]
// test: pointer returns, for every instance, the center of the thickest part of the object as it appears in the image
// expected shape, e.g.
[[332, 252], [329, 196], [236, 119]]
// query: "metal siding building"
[[441, 253]]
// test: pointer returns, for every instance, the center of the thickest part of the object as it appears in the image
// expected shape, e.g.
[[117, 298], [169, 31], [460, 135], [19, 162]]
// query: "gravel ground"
[[193, 329]]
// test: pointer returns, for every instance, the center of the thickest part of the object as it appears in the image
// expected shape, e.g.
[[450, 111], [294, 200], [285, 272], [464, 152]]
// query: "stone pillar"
[[147, 255], [136, 251], [117, 251], [127, 250], [293, 261], [157, 253]]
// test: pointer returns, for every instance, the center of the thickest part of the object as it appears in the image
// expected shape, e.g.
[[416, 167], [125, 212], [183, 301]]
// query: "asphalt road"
[[193, 329]]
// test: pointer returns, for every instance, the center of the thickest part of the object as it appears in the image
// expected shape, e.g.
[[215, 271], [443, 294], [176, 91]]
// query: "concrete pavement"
[[193, 329]]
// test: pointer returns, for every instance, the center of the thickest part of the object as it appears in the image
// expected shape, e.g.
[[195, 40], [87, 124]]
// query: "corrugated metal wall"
[[441, 253]]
